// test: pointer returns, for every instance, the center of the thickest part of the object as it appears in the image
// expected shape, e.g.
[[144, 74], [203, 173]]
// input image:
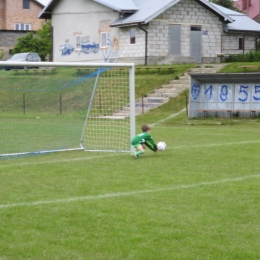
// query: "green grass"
[[198, 200], [234, 67]]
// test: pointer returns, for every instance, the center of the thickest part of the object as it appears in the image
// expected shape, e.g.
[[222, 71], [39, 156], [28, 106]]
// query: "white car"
[[21, 57]]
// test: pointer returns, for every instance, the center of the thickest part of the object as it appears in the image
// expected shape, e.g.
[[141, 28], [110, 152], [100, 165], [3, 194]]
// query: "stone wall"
[[8, 40]]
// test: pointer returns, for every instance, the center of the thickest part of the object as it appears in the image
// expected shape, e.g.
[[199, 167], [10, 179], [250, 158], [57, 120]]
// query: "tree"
[[45, 34], [40, 42], [225, 3]]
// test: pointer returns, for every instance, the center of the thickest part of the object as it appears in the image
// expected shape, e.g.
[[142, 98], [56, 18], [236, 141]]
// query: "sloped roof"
[[241, 22], [122, 6], [143, 11], [119, 5], [47, 10], [149, 9], [226, 77], [37, 2]]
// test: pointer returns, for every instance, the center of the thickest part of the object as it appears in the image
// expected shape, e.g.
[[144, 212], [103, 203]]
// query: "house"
[[147, 31], [17, 17], [249, 7]]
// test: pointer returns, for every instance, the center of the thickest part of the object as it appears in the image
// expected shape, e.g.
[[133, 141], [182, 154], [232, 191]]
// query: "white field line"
[[60, 160], [119, 154], [165, 119], [212, 145], [125, 194]]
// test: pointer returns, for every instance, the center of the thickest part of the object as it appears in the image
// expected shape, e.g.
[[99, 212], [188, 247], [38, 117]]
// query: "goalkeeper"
[[142, 140]]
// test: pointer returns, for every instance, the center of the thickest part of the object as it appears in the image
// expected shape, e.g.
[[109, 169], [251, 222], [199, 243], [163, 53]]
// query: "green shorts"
[[136, 144]]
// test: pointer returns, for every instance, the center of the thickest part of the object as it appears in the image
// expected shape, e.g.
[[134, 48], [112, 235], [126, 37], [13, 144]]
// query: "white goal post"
[[60, 106]]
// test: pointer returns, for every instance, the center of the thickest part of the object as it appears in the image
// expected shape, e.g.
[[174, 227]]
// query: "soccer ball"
[[161, 146]]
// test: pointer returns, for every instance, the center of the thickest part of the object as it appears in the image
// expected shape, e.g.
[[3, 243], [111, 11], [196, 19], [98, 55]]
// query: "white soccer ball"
[[161, 146]]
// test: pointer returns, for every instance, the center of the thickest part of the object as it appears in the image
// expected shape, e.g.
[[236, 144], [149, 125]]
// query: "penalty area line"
[[167, 118], [125, 194]]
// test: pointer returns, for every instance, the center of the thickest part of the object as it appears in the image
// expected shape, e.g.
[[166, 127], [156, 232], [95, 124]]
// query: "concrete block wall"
[[132, 51], [230, 43], [14, 13], [8, 40], [158, 38], [187, 13]]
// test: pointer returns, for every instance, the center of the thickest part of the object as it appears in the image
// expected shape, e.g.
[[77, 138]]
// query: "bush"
[[2, 54], [251, 56]]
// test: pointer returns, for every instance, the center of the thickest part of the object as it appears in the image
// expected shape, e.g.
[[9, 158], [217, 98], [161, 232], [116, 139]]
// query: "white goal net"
[[48, 106]]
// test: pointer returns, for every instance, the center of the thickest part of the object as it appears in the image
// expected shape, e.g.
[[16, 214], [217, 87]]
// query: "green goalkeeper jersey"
[[144, 138]]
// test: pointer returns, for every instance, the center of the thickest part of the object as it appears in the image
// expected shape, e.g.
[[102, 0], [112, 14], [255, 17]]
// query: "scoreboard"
[[222, 94]]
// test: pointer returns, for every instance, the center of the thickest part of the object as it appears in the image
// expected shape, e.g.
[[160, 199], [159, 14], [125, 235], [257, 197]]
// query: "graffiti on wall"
[[111, 53], [66, 49], [85, 47], [88, 48]]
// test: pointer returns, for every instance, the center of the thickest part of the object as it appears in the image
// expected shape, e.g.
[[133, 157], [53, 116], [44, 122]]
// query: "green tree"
[[225, 3], [40, 42], [45, 35], [2, 54]]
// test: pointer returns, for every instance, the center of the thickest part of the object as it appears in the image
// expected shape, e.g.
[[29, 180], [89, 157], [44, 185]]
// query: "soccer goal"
[[53, 106]]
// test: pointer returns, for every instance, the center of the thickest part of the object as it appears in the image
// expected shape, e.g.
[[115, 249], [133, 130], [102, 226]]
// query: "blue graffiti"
[[224, 93], [210, 92], [90, 48], [257, 90], [243, 90], [66, 49], [195, 91]]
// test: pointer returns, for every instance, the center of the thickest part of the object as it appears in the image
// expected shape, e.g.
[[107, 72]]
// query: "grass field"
[[198, 200]]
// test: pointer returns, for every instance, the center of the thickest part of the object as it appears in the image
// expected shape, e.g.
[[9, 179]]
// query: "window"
[[78, 42], [195, 28], [29, 57], [26, 4], [103, 40], [22, 27], [240, 43], [132, 35]]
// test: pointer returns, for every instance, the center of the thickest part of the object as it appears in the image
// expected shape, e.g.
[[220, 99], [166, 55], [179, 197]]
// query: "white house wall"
[[87, 19]]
